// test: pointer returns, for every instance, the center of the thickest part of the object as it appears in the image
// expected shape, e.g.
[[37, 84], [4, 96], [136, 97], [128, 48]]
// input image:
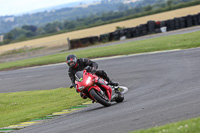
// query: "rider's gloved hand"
[[93, 70], [88, 69], [83, 96], [72, 86]]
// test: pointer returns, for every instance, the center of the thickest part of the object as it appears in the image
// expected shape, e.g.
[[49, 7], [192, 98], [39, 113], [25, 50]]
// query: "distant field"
[[181, 41], [61, 39]]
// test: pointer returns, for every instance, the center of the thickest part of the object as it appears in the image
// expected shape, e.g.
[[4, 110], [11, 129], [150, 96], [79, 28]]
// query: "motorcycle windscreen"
[[79, 76]]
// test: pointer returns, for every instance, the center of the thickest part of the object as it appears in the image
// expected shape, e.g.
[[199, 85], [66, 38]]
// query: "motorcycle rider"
[[80, 64]]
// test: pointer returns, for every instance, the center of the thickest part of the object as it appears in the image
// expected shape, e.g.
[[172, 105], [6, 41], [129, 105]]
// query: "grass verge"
[[186, 126], [24, 106], [183, 41]]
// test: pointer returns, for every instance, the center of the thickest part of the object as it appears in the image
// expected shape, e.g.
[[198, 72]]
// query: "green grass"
[[186, 126], [24, 106], [183, 41]]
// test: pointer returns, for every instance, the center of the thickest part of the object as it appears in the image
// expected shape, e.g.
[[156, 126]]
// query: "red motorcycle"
[[96, 88]]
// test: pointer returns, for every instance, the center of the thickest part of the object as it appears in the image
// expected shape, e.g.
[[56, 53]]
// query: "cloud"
[[8, 7]]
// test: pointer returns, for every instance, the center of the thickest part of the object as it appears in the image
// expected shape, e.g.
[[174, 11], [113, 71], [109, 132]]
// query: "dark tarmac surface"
[[163, 88]]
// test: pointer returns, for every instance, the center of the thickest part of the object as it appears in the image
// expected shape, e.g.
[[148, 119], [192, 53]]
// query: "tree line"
[[30, 31]]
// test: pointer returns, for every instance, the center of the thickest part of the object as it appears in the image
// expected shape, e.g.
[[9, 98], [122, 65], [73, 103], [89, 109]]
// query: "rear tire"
[[99, 98]]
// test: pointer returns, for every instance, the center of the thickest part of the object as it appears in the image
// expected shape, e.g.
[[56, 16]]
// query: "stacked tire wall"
[[83, 42], [151, 27]]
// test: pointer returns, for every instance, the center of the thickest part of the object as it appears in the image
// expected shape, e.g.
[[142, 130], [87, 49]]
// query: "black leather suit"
[[81, 64]]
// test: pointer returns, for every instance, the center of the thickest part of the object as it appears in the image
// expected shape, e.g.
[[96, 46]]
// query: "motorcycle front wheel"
[[99, 98]]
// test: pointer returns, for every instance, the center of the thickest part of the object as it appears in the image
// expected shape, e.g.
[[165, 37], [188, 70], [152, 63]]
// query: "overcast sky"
[[10, 7]]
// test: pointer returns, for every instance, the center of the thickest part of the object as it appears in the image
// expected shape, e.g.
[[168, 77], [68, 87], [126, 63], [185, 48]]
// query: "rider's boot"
[[110, 82], [103, 74], [83, 96], [113, 83], [117, 89]]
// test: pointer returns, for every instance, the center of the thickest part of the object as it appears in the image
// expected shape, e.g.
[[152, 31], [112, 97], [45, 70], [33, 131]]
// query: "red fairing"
[[84, 81], [95, 87], [89, 81], [109, 90]]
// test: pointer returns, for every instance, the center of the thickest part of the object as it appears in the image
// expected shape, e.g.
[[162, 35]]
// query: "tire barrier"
[[195, 19], [128, 32], [182, 23], [83, 42], [144, 29], [189, 22], [104, 37], [117, 34], [177, 23], [150, 27], [137, 31], [110, 36], [158, 25], [172, 24], [198, 17]]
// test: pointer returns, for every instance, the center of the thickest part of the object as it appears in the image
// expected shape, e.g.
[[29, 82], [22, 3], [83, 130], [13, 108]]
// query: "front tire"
[[97, 96]]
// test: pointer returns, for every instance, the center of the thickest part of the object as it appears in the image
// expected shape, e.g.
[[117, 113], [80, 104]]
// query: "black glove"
[[93, 71], [88, 69], [72, 86]]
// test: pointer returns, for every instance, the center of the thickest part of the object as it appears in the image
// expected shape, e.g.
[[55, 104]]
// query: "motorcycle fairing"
[[81, 78]]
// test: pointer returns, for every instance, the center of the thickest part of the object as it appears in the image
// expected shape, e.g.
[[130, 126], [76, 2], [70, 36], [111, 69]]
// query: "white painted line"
[[131, 55], [33, 76], [45, 66]]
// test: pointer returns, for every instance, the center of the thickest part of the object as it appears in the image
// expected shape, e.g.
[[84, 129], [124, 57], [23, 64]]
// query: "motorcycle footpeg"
[[117, 89]]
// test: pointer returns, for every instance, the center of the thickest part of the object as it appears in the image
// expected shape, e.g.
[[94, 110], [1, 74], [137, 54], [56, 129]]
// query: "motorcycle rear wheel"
[[120, 98], [97, 96]]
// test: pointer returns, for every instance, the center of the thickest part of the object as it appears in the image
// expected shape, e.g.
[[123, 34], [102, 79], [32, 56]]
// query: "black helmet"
[[71, 60]]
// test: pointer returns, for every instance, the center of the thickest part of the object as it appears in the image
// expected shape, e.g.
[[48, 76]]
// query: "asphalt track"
[[163, 88], [51, 77]]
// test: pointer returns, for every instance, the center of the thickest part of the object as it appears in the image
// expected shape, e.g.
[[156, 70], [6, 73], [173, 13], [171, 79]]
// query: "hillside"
[[58, 13], [70, 13], [61, 39], [125, 12]]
